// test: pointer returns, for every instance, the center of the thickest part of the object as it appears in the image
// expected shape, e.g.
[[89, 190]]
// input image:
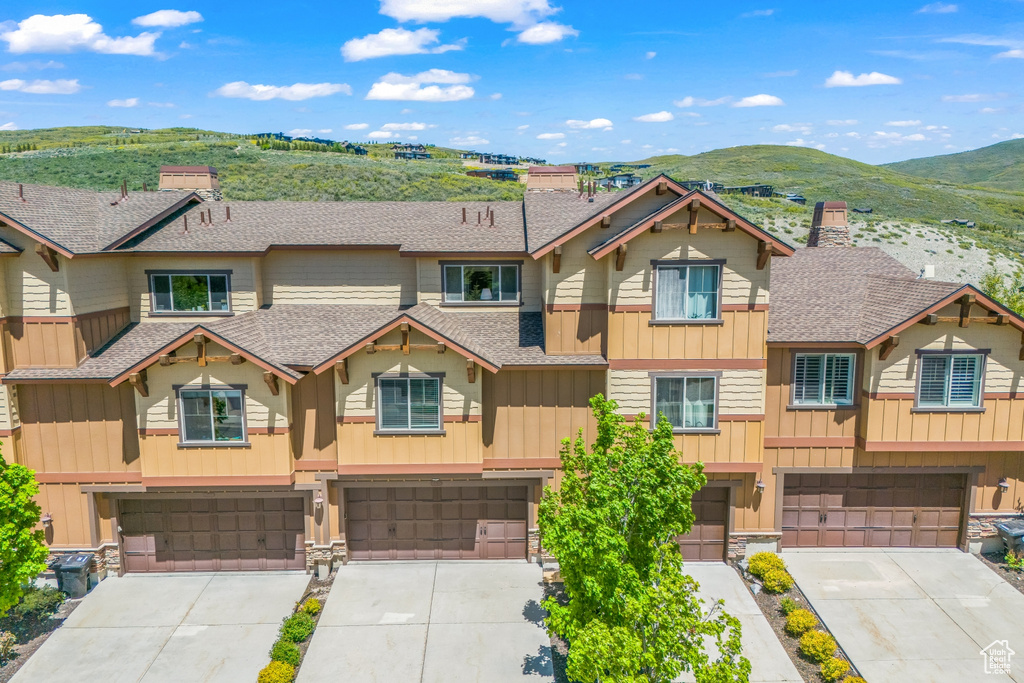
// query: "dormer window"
[[190, 292], [481, 284]]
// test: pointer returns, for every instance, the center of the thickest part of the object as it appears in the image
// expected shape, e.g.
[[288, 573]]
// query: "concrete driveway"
[[169, 627], [913, 615], [432, 622]]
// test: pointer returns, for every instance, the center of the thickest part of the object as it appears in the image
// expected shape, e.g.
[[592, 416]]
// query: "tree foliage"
[[22, 550], [632, 615], [1008, 290]]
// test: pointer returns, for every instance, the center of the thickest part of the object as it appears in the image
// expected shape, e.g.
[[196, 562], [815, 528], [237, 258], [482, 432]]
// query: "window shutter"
[[934, 371], [807, 376], [964, 380], [838, 379]]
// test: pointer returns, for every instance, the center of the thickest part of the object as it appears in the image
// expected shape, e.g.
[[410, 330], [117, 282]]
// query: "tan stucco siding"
[[97, 284], [339, 277], [242, 283], [430, 288], [160, 409], [740, 392]]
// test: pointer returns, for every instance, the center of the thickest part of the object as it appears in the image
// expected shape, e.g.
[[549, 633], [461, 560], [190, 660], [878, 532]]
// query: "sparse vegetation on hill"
[[999, 166]]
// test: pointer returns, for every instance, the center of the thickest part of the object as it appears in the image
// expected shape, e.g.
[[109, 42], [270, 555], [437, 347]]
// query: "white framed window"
[[189, 292], [823, 379], [688, 402], [949, 380], [481, 283], [687, 290], [211, 415], [409, 404]]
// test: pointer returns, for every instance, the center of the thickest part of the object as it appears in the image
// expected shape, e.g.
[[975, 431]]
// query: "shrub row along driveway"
[[913, 615], [169, 627]]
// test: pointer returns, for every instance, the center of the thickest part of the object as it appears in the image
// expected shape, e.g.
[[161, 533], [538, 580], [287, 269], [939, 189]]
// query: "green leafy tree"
[[1009, 291], [22, 549], [632, 615]]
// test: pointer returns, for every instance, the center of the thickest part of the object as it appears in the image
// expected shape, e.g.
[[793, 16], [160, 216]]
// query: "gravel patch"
[[31, 634], [994, 561]]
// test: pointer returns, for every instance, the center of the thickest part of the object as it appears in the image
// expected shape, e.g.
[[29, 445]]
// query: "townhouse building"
[[211, 385]]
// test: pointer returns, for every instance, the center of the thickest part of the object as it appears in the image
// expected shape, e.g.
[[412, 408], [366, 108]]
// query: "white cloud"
[[185, 45], [293, 93], [10, 125], [562, 144], [30, 66], [625, 142], [799, 142], [395, 86], [546, 32], [494, 96], [936, 127], [161, 105], [760, 101], [656, 117], [881, 139], [1017, 136], [970, 97], [407, 126], [522, 127], [802, 128], [842, 122], [758, 13], [603, 124], [396, 41], [650, 55], [127, 103], [551, 136], [1011, 54], [325, 131], [38, 87], [687, 101], [300, 132], [916, 137], [992, 110], [846, 79], [690, 101], [938, 8], [517, 12], [70, 32], [382, 135], [168, 18], [414, 137], [903, 124], [357, 126], [469, 140]]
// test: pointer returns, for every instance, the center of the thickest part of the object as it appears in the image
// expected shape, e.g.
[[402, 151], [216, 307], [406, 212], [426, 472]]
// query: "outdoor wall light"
[[759, 485], [46, 519], [1003, 485], [319, 500]]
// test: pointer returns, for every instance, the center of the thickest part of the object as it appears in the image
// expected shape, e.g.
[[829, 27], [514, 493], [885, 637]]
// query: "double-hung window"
[[686, 402], [950, 380], [687, 291], [482, 284], [823, 379], [409, 404], [211, 416], [189, 292]]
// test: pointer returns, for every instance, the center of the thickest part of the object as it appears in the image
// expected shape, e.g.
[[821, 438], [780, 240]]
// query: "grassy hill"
[[999, 166]]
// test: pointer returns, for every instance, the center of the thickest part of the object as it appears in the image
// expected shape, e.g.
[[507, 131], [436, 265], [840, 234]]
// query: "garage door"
[[706, 541], [212, 534], [872, 510], [436, 523]]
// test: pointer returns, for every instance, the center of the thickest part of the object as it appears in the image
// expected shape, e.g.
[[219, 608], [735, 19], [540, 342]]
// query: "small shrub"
[[285, 651], [777, 581], [788, 605], [297, 627], [7, 642], [833, 669], [312, 607], [817, 646], [1014, 561], [854, 679], [38, 603], [760, 563], [800, 622], [276, 672]]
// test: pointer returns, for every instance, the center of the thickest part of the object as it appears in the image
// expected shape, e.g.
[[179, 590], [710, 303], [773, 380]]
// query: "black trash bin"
[[73, 574], [1012, 533]]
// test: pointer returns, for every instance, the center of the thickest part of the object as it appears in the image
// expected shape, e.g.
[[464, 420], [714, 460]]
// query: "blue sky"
[[874, 81]]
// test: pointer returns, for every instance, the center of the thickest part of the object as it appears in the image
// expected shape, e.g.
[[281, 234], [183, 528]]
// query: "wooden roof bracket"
[[405, 338], [138, 380], [764, 252], [471, 370], [620, 256], [200, 342], [271, 380], [441, 347], [930, 319], [606, 221], [730, 225], [694, 210], [657, 227], [49, 256], [661, 188], [887, 346], [966, 302], [342, 368], [237, 358], [371, 347], [556, 258]]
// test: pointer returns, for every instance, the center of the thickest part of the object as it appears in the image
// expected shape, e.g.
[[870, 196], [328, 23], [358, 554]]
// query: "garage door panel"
[[707, 538]]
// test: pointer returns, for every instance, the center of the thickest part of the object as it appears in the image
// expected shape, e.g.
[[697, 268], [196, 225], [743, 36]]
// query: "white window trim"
[[852, 381], [945, 407], [462, 265], [654, 416], [381, 430], [153, 310], [182, 433], [687, 264]]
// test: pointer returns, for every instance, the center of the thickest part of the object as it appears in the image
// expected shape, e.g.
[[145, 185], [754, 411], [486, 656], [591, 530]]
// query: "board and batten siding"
[[314, 424], [266, 455], [429, 276], [339, 277], [243, 295], [785, 422]]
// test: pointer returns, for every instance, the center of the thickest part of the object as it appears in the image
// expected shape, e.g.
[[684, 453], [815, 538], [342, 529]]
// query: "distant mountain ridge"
[[999, 166]]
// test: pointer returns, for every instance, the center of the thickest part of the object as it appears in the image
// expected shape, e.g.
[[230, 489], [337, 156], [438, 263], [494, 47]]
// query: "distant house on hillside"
[[494, 174], [497, 159], [551, 178], [588, 168], [412, 155], [533, 161], [620, 181], [358, 150], [407, 147], [703, 185], [468, 155], [751, 190]]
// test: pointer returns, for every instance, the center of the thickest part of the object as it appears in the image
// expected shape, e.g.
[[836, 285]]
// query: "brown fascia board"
[[985, 302], [29, 232], [614, 206], [186, 338], [261, 252], [191, 197]]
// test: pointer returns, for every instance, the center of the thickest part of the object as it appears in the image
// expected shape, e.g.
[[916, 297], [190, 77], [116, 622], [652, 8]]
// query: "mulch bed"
[[1011, 576], [31, 634], [319, 589], [770, 607]]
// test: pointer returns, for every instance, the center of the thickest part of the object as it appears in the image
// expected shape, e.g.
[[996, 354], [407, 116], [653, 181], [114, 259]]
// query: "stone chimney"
[[200, 179], [828, 227]]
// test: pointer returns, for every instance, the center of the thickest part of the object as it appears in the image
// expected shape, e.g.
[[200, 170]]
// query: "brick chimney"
[[828, 227], [202, 180]]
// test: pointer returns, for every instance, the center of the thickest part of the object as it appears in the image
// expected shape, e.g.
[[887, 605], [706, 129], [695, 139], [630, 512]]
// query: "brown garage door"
[[436, 523], [706, 541], [212, 534], [872, 510]]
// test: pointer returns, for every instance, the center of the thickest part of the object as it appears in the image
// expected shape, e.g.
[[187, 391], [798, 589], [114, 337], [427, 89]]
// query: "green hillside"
[[999, 166]]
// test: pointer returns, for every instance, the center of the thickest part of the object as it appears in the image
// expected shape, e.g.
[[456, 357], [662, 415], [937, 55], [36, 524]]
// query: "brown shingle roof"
[[845, 294], [550, 215]]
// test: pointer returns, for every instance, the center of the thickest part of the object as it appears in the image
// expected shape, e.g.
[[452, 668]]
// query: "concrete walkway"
[[912, 614], [769, 662], [163, 628], [432, 622]]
